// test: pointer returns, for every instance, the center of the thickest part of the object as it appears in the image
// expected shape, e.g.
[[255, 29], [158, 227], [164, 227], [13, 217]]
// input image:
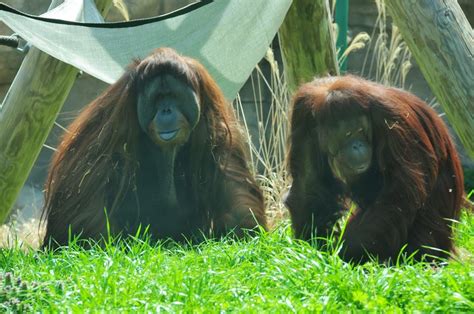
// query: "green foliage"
[[270, 273], [13, 293], [468, 179]]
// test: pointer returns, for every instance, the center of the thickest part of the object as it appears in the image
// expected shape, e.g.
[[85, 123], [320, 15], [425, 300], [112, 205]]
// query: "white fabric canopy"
[[228, 36]]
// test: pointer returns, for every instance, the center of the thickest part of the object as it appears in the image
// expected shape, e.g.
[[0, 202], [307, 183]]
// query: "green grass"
[[271, 273]]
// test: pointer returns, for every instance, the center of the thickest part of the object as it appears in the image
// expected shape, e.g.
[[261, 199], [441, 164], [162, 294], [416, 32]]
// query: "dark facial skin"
[[349, 147], [168, 110]]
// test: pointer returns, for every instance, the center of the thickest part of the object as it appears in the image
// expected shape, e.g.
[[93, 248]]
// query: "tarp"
[[228, 36]]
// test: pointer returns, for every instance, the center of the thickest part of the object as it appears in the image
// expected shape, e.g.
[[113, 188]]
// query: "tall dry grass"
[[391, 59], [269, 155]]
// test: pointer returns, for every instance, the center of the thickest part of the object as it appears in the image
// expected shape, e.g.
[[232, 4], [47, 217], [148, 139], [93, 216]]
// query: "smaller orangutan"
[[160, 148], [387, 152]]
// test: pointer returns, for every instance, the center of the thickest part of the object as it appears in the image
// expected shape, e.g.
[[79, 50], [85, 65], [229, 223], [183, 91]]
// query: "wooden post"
[[442, 41], [31, 105], [307, 42]]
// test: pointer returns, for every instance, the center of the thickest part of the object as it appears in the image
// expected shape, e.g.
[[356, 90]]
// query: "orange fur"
[[99, 156], [412, 191]]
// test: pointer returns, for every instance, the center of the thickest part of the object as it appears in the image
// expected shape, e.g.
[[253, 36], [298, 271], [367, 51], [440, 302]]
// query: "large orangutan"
[[385, 150], [159, 148]]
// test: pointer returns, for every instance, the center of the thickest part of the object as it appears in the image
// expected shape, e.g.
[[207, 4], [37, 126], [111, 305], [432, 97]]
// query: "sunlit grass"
[[271, 272]]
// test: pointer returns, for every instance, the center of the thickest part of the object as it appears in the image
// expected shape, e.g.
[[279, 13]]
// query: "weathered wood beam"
[[31, 105], [307, 42], [441, 39]]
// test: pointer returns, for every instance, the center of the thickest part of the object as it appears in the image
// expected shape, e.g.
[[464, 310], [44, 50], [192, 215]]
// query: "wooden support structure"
[[33, 101], [307, 42], [441, 39]]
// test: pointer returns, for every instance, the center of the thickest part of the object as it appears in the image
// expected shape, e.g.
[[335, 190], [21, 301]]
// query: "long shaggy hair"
[[99, 155], [410, 195]]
